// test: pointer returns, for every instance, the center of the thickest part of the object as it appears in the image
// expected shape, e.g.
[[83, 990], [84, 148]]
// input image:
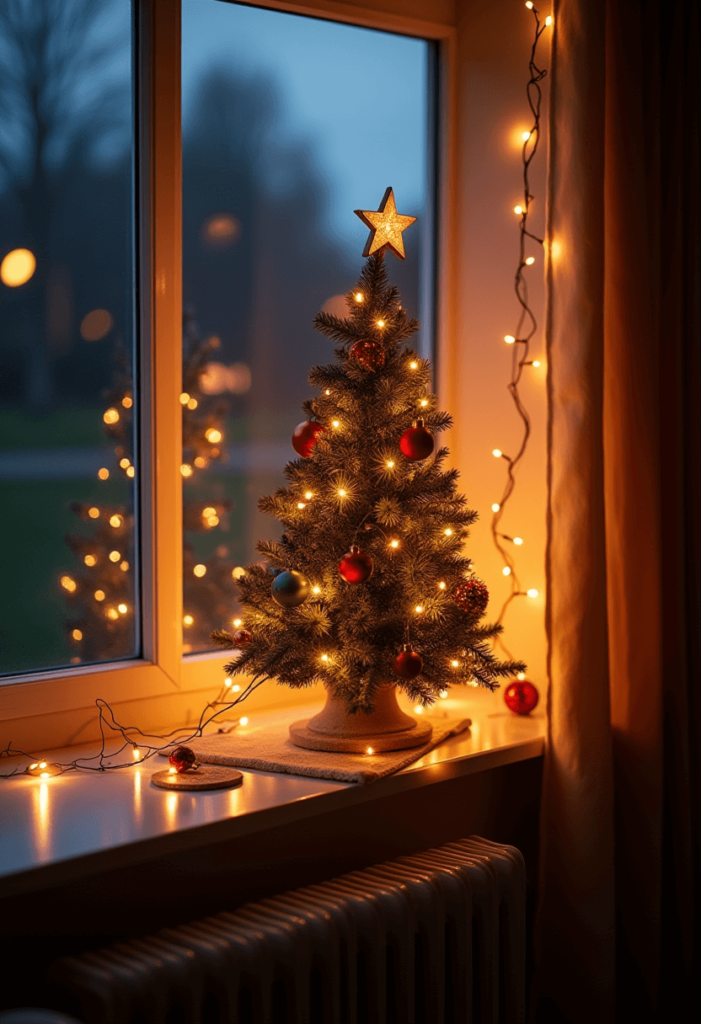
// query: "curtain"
[[617, 933]]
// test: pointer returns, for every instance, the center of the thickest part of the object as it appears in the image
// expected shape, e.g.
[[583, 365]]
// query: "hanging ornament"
[[521, 697], [408, 663], [369, 354], [182, 759], [472, 596], [291, 588], [304, 437], [417, 442], [273, 570], [356, 566], [241, 637]]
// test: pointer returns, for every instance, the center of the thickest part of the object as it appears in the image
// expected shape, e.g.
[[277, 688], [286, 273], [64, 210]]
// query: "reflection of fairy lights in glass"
[[42, 820], [218, 378], [221, 230], [96, 324], [17, 267]]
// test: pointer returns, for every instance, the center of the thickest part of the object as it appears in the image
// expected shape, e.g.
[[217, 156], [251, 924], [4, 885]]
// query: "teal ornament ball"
[[291, 588]]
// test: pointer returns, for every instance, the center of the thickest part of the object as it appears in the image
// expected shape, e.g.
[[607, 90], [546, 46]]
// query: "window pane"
[[289, 125], [67, 452]]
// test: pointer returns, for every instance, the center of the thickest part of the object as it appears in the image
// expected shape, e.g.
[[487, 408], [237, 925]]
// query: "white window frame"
[[57, 708]]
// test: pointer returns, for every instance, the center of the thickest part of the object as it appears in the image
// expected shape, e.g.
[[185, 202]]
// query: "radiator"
[[433, 938]]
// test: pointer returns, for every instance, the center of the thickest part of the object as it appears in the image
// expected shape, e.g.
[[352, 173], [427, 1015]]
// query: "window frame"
[[57, 707]]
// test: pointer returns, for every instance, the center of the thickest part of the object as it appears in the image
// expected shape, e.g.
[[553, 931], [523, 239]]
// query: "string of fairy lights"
[[527, 324], [133, 738]]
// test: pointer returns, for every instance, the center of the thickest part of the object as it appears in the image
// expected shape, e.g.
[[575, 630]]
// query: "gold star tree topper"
[[386, 227]]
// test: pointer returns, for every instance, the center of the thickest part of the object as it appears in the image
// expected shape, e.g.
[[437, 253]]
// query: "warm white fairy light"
[[308, 495], [506, 570], [448, 532], [228, 682], [301, 505], [136, 753], [390, 464], [413, 365], [380, 323], [509, 339], [419, 609], [518, 210], [184, 398], [237, 623], [342, 492], [518, 541], [530, 260], [335, 424], [525, 136], [359, 297], [497, 453], [243, 721], [316, 590], [188, 620], [443, 694], [418, 710], [235, 688], [455, 663], [549, 21], [424, 403], [496, 506], [536, 363], [200, 570], [521, 676], [394, 543], [442, 585], [532, 592], [324, 657]]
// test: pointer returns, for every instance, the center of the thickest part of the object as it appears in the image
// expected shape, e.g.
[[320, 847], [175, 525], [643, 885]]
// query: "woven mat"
[[269, 748]]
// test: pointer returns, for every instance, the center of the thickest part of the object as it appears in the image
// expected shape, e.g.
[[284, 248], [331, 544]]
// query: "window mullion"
[[161, 360]]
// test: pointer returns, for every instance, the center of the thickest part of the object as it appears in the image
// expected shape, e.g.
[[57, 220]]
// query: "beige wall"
[[492, 47]]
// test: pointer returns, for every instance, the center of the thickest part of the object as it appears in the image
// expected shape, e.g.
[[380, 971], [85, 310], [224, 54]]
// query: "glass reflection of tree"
[[57, 105], [99, 592]]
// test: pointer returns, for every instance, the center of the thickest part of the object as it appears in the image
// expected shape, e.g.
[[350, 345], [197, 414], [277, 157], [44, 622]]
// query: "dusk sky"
[[356, 96]]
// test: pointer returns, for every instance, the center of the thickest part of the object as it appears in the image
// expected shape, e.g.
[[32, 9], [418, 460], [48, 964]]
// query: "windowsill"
[[80, 823]]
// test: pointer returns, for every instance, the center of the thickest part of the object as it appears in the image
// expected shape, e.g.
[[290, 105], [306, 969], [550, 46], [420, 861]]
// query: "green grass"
[[34, 520], [65, 428]]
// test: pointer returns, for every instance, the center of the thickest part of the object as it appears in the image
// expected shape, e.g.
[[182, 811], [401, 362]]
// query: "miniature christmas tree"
[[100, 592], [368, 584]]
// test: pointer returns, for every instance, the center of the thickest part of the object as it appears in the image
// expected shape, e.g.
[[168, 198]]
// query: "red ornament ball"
[[356, 566], [304, 437], [182, 759], [472, 596], [407, 664], [521, 697], [369, 354], [417, 442], [241, 637]]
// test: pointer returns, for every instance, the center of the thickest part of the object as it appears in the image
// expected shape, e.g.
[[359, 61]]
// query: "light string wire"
[[521, 339], [109, 727]]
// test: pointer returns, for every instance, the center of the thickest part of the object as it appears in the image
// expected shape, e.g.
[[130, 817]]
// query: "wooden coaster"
[[207, 776]]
